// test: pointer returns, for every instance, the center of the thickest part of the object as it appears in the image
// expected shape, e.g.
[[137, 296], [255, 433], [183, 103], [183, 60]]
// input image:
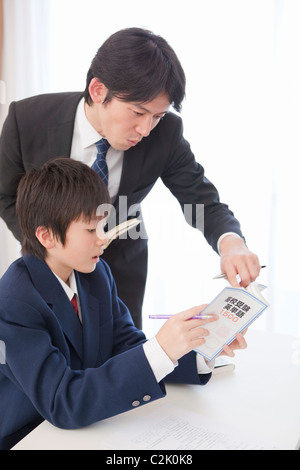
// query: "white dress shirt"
[[84, 149]]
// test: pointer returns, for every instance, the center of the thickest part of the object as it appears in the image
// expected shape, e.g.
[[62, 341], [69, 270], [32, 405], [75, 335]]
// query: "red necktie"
[[75, 304]]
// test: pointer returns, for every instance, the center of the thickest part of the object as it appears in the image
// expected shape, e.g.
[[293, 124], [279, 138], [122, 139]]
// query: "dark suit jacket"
[[41, 127], [67, 373]]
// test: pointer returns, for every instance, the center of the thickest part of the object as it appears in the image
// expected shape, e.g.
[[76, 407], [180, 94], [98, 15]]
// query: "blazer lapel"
[[53, 294], [90, 310], [71, 326]]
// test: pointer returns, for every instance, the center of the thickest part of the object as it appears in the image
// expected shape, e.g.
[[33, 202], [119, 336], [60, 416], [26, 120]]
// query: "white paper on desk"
[[174, 428]]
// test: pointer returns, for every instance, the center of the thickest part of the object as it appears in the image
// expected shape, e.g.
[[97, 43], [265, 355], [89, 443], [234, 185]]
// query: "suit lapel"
[[53, 294], [60, 140], [132, 169], [60, 134]]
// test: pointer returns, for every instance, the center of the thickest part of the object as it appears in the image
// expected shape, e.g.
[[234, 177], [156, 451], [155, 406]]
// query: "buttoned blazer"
[[67, 373]]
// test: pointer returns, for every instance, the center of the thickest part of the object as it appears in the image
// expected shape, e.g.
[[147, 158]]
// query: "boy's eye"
[[91, 230]]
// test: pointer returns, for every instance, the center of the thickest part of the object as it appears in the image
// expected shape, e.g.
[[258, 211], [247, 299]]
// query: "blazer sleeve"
[[65, 397]]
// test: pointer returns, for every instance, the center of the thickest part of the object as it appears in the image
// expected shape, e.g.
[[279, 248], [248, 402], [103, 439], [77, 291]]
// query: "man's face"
[[124, 124]]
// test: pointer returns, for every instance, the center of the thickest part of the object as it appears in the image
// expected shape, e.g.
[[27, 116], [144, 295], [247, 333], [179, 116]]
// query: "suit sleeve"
[[11, 171], [185, 178]]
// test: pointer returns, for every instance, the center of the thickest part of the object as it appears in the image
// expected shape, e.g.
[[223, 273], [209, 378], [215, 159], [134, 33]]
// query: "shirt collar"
[[70, 291], [88, 135]]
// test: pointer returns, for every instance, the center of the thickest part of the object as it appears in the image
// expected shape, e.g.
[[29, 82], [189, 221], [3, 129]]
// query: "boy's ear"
[[98, 91], [45, 237]]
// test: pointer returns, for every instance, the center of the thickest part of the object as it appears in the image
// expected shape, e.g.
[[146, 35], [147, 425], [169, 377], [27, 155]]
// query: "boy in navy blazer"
[[72, 353]]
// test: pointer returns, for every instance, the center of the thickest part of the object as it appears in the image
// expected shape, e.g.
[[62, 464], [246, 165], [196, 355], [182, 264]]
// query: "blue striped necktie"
[[100, 165]]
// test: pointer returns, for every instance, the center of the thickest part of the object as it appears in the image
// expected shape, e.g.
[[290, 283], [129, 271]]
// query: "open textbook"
[[118, 230], [237, 309]]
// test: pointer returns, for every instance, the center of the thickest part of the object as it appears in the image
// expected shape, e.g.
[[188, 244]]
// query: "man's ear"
[[45, 237], [98, 91]]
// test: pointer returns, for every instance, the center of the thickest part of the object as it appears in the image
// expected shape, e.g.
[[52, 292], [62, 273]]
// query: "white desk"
[[262, 396]]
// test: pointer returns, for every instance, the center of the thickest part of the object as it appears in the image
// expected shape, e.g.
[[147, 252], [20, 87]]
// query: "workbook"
[[237, 309]]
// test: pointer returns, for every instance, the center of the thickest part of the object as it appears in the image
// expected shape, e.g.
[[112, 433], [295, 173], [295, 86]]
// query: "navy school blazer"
[[57, 369]]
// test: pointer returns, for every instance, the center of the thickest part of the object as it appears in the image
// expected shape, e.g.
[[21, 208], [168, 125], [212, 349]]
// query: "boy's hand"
[[238, 343], [181, 334]]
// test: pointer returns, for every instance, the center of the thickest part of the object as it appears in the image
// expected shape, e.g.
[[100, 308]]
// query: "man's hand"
[[237, 259], [181, 333]]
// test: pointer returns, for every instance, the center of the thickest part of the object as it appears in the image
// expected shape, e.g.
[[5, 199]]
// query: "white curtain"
[[24, 73], [284, 227], [241, 116]]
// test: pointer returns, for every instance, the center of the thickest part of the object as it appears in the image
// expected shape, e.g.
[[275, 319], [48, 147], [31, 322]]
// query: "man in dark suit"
[[133, 81]]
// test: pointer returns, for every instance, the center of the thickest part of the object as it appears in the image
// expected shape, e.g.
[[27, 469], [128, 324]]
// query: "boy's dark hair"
[[53, 196], [136, 65]]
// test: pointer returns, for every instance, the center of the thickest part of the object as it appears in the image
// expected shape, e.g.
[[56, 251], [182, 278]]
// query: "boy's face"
[[81, 251]]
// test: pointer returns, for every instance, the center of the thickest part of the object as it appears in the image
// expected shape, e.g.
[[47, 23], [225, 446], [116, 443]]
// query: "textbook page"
[[173, 428]]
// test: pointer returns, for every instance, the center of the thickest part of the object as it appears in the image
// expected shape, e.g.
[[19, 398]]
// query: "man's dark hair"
[[136, 65], [61, 191]]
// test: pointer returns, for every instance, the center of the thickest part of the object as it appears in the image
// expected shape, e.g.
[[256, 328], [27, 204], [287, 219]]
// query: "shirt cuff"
[[159, 361], [225, 235], [204, 366]]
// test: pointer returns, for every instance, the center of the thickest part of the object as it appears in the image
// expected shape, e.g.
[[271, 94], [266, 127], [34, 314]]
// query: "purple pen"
[[166, 317]]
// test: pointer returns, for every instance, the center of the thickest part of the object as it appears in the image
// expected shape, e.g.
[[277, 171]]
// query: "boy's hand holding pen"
[[183, 331]]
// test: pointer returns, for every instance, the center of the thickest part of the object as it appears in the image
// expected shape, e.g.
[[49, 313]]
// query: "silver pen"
[[222, 276]]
